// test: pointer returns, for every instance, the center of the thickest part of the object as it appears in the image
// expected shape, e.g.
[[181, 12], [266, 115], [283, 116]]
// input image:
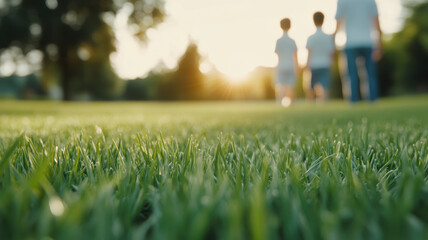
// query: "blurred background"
[[87, 50]]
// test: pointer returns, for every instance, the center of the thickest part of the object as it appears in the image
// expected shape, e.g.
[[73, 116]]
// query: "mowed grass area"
[[222, 170]]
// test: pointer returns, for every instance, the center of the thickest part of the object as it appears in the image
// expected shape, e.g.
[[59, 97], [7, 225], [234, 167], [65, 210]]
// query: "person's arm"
[[308, 48], [296, 64], [339, 18], [377, 52], [276, 48], [308, 66], [339, 24], [333, 54]]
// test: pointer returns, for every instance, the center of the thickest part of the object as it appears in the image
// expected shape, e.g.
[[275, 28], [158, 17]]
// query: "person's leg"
[[289, 92], [351, 58], [310, 88], [372, 76], [322, 93], [310, 95], [316, 83], [326, 95], [280, 93], [292, 86], [324, 84], [289, 86], [279, 81]]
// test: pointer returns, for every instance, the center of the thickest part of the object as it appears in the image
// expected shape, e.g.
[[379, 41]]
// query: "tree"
[[75, 36], [406, 54], [188, 79]]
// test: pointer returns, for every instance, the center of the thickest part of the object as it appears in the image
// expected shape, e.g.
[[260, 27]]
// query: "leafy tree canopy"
[[410, 51], [76, 36]]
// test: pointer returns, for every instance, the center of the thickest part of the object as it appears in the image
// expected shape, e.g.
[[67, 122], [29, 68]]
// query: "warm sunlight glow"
[[236, 79], [235, 36]]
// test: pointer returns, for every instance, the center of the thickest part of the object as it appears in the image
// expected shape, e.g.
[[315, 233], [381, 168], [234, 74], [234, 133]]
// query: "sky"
[[234, 36]]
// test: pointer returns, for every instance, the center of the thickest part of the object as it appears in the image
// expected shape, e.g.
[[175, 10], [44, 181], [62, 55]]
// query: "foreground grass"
[[214, 170]]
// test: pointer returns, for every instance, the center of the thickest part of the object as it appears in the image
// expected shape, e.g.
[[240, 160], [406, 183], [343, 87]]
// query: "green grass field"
[[234, 170]]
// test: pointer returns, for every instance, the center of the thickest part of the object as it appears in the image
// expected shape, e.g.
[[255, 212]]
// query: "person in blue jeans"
[[360, 17]]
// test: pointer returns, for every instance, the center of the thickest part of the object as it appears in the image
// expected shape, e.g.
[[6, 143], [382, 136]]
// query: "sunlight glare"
[[286, 102], [234, 71], [206, 67]]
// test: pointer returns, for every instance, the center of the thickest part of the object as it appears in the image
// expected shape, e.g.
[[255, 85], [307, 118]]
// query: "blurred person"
[[287, 68], [321, 51], [360, 17]]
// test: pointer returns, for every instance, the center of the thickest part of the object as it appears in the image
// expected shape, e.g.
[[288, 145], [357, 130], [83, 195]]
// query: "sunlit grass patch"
[[214, 170]]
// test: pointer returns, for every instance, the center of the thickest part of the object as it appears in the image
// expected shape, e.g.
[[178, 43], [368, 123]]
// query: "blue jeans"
[[351, 56]]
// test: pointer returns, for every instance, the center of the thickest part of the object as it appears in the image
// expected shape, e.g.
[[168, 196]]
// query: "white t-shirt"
[[285, 48], [358, 16], [321, 46]]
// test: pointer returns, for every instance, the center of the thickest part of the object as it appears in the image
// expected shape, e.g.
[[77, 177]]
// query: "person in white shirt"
[[287, 69], [321, 51], [360, 18]]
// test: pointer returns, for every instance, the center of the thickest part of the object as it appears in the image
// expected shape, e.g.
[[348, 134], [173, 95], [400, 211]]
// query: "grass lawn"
[[239, 170]]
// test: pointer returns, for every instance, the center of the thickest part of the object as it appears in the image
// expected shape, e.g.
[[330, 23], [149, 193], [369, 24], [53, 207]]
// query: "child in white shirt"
[[287, 69]]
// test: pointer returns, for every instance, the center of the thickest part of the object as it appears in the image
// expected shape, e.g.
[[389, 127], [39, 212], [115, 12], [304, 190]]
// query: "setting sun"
[[233, 36]]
